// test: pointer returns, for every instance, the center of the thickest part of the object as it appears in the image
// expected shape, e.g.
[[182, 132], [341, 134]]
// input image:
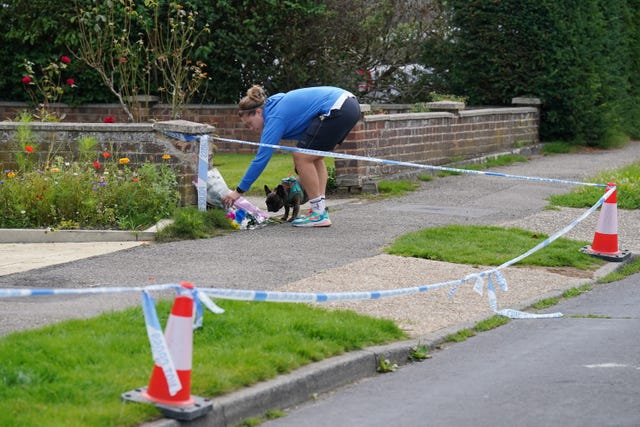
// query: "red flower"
[[26, 80], [29, 149], [106, 155], [71, 82], [135, 179], [97, 165], [65, 59], [109, 119]]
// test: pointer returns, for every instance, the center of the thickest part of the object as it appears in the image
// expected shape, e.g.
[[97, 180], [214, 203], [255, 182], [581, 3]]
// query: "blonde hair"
[[256, 97]]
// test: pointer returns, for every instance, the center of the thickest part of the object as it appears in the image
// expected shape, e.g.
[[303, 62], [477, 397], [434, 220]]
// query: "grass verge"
[[488, 245], [627, 180], [73, 373]]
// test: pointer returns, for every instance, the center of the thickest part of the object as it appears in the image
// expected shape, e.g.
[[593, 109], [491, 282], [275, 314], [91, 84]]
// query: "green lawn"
[[73, 373]]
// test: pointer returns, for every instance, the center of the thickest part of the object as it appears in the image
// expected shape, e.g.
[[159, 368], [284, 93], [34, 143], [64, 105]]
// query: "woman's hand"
[[230, 199]]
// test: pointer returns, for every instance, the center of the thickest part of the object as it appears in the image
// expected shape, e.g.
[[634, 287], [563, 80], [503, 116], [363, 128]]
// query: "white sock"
[[317, 204]]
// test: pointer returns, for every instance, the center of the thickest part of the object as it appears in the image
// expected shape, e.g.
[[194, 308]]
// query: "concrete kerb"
[[308, 382], [9, 235], [49, 235]]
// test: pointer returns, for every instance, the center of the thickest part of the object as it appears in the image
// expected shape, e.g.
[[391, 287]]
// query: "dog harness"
[[291, 184]]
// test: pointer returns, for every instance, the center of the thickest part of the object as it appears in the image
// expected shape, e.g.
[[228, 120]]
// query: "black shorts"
[[325, 132]]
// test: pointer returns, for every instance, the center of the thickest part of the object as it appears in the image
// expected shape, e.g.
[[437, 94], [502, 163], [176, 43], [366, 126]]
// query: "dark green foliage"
[[577, 56], [581, 58], [280, 44]]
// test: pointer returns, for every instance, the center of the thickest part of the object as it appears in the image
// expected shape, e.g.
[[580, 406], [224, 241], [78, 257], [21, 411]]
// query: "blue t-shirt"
[[287, 116]]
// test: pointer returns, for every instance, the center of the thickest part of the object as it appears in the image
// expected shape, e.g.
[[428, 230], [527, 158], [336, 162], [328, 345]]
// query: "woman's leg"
[[323, 176], [311, 177]]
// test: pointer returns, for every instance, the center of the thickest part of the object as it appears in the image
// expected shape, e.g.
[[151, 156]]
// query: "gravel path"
[[422, 313]]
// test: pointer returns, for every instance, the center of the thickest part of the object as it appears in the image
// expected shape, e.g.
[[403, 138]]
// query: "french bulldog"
[[290, 194]]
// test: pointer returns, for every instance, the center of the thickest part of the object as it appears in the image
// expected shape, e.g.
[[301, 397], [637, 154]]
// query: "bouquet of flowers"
[[243, 215]]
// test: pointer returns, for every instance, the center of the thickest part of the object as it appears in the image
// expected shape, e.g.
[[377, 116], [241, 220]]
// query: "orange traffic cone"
[[179, 337], [173, 395], [605, 240]]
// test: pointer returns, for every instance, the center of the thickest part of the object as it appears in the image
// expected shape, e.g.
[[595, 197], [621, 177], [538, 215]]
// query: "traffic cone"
[[605, 239], [178, 335]]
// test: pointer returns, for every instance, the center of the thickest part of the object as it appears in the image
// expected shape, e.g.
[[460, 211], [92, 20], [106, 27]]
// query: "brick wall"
[[449, 134], [434, 138]]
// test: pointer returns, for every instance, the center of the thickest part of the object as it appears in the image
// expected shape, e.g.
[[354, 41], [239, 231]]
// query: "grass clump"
[[459, 336], [269, 415], [569, 293], [191, 223], [488, 245], [576, 292], [397, 188], [545, 303], [628, 269], [492, 322], [482, 326], [627, 180], [74, 372], [558, 147]]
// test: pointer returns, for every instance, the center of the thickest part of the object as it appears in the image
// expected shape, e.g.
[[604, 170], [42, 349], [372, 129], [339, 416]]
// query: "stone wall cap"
[[445, 105], [79, 126], [184, 126], [526, 101]]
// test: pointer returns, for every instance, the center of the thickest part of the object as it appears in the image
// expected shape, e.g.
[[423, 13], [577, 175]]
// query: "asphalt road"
[[277, 255], [580, 370]]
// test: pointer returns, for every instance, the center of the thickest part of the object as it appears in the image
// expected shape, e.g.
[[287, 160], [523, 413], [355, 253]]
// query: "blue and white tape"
[[203, 170], [200, 294], [407, 164], [159, 348], [160, 352]]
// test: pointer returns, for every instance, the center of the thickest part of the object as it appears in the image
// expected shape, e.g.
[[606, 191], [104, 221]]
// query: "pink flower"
[[71, 82], [26, 80], [109, 119], [65, 59]]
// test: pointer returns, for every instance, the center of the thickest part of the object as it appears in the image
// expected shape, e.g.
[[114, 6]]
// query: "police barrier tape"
[[159, 349], [407, 164], [310, 297], [157, 341]]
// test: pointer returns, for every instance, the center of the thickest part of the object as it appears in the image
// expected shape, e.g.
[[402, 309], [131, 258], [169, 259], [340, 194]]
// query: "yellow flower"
[[55, 170], [123, 160], [11, 174], [166, 157]]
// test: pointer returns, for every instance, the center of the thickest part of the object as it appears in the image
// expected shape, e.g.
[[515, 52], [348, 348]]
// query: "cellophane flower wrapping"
[[243, 214]]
